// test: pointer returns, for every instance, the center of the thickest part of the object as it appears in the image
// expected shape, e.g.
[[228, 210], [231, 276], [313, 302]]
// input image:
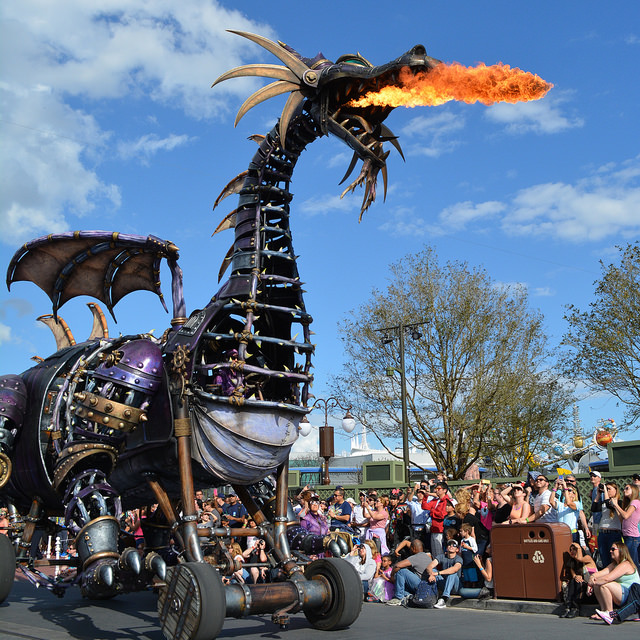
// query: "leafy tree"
[[604, 342], [476, 378]]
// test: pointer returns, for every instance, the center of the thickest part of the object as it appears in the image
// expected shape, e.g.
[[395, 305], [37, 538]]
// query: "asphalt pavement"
[[35, 614]]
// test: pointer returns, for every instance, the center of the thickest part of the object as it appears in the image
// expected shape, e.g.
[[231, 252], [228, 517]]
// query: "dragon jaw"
[[326, 90]]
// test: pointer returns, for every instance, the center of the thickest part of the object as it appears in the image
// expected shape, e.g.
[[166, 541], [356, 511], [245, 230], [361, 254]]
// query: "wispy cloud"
[[150, 144], [539, 116], [433, 135], [320, 205], [603, 204]]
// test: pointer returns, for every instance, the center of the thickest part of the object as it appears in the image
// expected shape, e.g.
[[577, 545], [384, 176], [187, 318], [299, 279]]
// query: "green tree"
[[603, 343], [478, 378]]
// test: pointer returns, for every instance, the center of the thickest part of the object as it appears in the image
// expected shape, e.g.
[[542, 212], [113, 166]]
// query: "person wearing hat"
[[312, 519], [234, 512], [445, 570]]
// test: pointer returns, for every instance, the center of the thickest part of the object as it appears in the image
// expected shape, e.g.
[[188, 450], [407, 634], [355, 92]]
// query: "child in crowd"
[[382, 586]]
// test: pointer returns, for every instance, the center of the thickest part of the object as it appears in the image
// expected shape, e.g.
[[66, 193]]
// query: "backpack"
[[425, 597]]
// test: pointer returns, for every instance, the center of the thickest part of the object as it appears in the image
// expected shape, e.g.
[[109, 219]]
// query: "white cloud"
[[149, 144], [431, 135], [600, 205], [539, 116], [63, 55], [320, 205], [5, 333], [306, 444]]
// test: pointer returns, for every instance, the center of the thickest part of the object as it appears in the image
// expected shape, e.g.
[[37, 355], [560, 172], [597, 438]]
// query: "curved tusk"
[[274, 89]]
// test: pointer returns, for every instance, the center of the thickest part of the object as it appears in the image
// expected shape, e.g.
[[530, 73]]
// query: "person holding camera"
[[610, 528], [564, 499], [257, 554]]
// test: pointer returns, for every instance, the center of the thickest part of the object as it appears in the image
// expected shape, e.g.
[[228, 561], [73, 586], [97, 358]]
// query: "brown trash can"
[[528, 558]]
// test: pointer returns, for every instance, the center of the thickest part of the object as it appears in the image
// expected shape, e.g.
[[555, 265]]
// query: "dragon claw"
[[106, 575], [131, 559], [156, 565]]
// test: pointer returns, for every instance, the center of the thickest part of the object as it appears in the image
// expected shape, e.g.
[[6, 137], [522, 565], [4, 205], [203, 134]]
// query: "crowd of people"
[[428, 534], [428, 538]]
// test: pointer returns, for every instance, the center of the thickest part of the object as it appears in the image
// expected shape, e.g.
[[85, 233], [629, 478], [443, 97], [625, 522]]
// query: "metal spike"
[[351, 167], [229, 222], [384, 181], [295, 100], [393, 139], [271, 90], [295, 64], [275, 71]]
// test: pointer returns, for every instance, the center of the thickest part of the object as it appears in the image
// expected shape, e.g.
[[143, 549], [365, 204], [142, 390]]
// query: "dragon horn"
[[271, 90], [100, 328], [295, 64], [275, 71], [60, 329]]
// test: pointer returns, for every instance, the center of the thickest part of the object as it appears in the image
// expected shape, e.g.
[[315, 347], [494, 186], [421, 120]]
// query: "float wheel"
[[344, 602], [192, 605], [7, 566]]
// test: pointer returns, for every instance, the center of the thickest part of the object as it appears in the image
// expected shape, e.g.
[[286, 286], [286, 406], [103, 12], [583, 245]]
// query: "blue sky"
[[108, 122]]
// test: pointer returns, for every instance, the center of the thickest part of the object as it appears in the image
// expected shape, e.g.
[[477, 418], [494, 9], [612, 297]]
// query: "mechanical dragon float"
[[119, 423]]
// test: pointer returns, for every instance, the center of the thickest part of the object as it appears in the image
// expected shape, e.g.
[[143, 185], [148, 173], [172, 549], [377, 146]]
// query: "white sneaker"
[[441, 604]]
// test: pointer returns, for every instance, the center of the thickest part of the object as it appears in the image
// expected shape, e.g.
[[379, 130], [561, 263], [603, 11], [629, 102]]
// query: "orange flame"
[[488, 85]]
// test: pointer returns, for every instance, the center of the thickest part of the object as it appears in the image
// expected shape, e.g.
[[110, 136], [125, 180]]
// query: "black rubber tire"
[[7, 566], [345, 594], [192, 606]]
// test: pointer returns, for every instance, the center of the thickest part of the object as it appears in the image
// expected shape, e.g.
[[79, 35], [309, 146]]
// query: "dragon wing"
[[101, 264]]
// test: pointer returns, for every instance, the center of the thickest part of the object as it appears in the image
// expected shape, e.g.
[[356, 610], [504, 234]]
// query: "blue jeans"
[[605, 540], [448, 584], [469, 592], [406, 580], [633, 544]]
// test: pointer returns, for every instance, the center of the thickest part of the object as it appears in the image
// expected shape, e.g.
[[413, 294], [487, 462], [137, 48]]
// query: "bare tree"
[[476, 374], [604, 342]]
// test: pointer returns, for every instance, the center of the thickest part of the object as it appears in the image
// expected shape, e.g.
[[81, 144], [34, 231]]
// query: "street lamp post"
[[416, 335], [326, 432]]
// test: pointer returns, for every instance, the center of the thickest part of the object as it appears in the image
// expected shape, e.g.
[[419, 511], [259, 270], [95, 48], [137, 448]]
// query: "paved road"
[[31, 614]]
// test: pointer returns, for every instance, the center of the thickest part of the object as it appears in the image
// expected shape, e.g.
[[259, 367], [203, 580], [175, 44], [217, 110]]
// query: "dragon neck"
[[264, 312]]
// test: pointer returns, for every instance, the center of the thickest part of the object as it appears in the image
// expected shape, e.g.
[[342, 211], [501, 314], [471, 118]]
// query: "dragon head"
[[327, 91]]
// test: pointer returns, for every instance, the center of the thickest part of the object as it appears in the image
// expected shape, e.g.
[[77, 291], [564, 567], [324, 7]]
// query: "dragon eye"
[[356, 59]]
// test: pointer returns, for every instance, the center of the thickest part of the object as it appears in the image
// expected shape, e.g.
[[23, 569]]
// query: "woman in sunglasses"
[[611, 585], [629, 512]]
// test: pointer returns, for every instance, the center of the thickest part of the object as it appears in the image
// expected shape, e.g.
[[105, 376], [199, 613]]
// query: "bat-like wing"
[[103, 264]]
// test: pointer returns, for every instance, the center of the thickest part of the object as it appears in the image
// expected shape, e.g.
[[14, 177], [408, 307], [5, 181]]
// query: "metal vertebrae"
[[263, 298]]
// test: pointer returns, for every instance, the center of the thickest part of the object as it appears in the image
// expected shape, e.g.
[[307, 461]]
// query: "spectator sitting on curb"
[[576, 570], [630, 609], [408, 573], [382, 587], [486, 572], [361, 560], [611, 584], [445, 572]]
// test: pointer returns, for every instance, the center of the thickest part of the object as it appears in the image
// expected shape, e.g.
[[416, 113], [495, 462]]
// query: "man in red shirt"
[[438, 508]]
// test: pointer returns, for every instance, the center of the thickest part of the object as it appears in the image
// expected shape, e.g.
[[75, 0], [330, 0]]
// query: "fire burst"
[[488, 85]]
